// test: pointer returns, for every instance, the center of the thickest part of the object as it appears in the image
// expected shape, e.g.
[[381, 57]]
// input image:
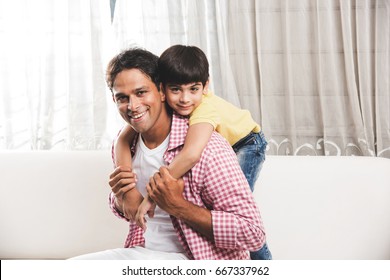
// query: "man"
[[208, 214]]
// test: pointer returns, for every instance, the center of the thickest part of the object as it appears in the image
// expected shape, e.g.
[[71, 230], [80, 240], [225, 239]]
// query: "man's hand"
[[128, 198], [122, 180], [166, 191]]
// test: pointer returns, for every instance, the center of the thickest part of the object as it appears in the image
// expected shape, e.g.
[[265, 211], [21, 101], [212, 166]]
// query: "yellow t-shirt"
[[228, 120]]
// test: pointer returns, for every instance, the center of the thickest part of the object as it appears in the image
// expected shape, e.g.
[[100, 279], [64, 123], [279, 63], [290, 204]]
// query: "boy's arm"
[[147, 207], [122, 146], [196, 140], [128, 198]]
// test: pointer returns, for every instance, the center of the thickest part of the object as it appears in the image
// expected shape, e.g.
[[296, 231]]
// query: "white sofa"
[[54, 205]]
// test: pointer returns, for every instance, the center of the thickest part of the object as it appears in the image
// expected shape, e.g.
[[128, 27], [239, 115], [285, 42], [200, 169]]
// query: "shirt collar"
[[179, 127]]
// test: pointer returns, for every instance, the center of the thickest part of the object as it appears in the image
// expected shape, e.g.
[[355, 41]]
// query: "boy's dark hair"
[[134, 58], [182, 65]]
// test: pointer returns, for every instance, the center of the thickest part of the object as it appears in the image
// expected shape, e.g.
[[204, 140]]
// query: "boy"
[[184, 75]]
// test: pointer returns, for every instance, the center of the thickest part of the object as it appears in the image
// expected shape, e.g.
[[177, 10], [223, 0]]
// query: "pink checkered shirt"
[[217, 183]]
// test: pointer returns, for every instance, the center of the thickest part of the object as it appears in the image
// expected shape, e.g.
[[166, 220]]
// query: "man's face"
[[138, 100]]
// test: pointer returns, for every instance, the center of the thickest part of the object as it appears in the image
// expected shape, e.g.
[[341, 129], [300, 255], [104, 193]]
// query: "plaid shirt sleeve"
[[236, 219], [135, 236]]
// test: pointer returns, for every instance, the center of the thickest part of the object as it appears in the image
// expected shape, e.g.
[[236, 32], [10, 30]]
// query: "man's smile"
[[136, 116]]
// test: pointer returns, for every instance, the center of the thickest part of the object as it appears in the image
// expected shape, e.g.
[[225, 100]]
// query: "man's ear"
[[113, 97]]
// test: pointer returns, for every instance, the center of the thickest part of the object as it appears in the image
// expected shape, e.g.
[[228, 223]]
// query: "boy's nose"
[[184, 97]]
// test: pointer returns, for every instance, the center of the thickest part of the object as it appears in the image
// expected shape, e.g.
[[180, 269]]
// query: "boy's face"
[[185, 98], [138, 100]]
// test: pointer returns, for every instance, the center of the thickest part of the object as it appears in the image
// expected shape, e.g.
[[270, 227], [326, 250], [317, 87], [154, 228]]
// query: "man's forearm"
[[129, 203], [196, 217]]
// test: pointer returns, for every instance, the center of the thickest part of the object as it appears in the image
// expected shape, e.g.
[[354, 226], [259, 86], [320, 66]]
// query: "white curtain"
[[314, 73], [159, 24], [52, 89], [317, 71]]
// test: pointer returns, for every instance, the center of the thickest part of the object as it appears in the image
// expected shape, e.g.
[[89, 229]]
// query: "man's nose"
[[133, 104]]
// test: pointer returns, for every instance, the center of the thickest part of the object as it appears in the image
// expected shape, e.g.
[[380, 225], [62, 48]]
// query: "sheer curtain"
[[52, 57], [319, 70], [159, 24], [314, 73]]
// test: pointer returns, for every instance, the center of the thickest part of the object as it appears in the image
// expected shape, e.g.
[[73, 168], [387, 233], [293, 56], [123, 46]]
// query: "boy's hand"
[[147, 207]]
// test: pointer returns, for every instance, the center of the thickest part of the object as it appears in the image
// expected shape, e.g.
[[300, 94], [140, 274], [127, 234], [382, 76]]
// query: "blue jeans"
[[250, 152]]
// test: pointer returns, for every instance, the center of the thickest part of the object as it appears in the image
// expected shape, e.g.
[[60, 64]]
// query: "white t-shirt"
[[160, 234]]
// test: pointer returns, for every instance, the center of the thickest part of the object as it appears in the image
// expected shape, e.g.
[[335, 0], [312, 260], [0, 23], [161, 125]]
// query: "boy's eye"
[[194, 89], [174, 89]]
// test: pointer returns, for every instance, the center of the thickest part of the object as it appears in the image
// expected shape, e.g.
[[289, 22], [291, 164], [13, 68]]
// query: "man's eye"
[[121, 99], [142, 92]]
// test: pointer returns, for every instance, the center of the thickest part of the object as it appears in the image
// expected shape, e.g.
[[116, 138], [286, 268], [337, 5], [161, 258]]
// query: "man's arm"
[[233, 221], [167, 192], [235, 216], [127, 197]]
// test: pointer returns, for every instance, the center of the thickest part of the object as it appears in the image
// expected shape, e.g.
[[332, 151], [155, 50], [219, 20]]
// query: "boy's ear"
[[206, 87], [162, 92]]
